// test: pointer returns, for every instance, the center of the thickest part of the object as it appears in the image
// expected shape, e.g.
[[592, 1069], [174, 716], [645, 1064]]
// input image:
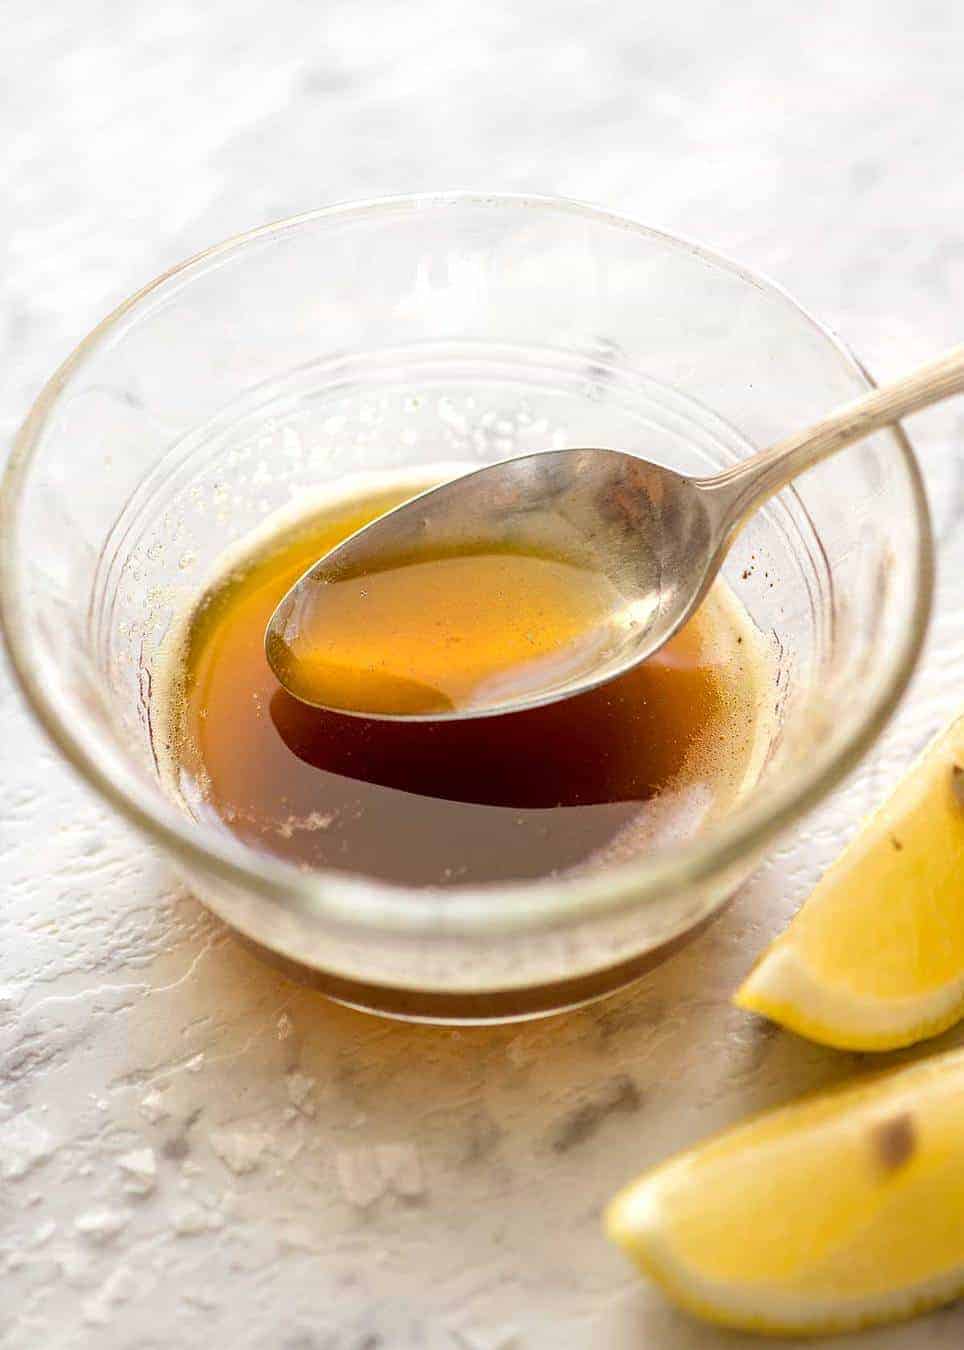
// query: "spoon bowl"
[[646, 532]]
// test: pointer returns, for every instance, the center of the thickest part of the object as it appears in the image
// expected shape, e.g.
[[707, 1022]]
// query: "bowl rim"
[[363, 904]]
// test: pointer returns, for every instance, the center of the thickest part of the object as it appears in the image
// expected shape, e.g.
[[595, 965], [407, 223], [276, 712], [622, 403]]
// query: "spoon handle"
[[750, 483]]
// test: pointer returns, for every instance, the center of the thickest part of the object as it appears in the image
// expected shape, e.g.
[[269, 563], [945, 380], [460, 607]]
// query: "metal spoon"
[[658, 536]]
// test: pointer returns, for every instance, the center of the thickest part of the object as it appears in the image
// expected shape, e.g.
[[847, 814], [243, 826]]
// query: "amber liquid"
[[643, 760], [442, 632]]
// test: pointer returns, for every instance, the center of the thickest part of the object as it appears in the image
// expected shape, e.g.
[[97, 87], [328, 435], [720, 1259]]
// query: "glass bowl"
[[407, 335]]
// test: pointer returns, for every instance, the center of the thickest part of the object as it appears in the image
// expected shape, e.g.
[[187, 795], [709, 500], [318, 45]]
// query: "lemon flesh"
[[836, 1212], [875, 958]]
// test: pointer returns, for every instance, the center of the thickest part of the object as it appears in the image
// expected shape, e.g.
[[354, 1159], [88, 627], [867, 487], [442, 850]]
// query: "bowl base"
[[483, 1008]]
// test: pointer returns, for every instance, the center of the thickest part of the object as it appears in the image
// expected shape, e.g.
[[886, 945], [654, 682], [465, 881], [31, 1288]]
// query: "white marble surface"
[[192, 1150]]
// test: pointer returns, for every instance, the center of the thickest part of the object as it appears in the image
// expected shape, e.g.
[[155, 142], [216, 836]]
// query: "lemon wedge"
[[836, 1212], [875, 958]]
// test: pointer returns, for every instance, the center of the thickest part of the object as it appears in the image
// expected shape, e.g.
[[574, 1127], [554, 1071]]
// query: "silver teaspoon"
[[656, 537]]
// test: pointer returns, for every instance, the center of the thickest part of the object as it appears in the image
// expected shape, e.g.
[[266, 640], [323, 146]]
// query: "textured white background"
[[192, 1150]]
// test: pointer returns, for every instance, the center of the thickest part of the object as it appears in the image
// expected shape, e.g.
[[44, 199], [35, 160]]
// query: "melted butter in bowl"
[[651, 757]]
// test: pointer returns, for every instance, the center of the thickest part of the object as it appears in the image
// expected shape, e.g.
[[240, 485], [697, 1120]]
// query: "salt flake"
[[239, 1151], [140, 1166], [100, 1225]]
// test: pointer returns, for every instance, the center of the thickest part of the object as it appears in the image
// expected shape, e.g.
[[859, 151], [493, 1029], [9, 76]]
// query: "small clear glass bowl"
[[403, 335]]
